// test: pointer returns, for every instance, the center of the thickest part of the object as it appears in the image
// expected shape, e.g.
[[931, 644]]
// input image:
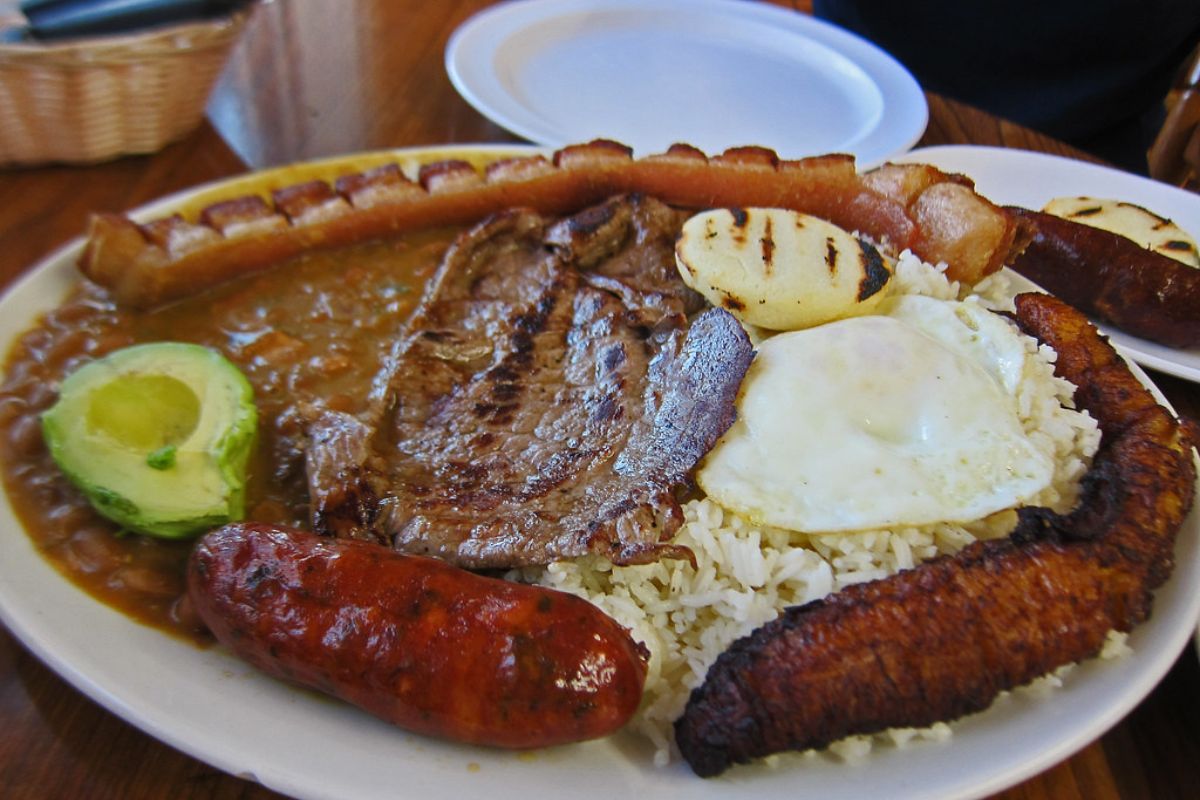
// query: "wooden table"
[[315, 78]]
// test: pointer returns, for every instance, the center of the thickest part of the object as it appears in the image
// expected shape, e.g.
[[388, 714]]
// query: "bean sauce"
[[311, 332]]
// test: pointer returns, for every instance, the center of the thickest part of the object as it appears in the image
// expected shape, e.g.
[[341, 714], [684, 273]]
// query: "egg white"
[[881, 421]]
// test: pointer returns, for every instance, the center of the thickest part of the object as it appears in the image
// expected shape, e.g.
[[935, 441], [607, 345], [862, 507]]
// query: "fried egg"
[[878, 421]]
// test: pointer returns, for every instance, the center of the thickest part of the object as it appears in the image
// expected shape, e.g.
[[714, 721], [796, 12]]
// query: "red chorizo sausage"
[[425, 645]]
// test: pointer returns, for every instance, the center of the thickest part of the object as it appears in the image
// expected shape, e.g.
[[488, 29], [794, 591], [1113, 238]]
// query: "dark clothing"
[[1090, 72]]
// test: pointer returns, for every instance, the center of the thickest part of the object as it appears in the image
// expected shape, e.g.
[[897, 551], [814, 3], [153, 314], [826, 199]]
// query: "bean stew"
[[314, 330]]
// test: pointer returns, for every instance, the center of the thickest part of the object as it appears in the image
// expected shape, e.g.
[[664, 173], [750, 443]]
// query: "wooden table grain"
[[313, 78]]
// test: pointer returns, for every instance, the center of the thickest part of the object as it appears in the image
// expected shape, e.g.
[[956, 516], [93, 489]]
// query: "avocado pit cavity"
[[143, 412]]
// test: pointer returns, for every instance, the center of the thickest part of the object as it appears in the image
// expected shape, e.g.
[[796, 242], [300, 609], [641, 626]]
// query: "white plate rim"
[[1018, 177], [220, 711], [472, 49]]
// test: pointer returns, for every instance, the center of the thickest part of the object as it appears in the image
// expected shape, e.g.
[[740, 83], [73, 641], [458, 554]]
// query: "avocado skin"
[[207, 485]]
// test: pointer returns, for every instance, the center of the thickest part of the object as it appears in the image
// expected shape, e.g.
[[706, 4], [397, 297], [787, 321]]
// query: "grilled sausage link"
[[422, 644], [1112, 278]]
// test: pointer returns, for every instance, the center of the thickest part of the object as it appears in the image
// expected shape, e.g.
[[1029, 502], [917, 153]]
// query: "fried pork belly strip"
[[942, 640], [938, 216]]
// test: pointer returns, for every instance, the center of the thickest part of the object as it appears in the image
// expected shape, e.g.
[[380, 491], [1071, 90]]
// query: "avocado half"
[[157, 436]]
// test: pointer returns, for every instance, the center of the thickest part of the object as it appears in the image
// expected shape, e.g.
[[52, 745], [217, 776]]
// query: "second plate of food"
[[1028, 179]]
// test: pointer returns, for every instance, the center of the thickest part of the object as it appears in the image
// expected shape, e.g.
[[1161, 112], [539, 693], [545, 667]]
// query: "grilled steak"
[[547, 400]]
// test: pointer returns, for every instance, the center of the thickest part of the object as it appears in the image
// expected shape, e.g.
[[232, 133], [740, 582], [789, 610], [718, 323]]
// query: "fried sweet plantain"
[[944, 639]]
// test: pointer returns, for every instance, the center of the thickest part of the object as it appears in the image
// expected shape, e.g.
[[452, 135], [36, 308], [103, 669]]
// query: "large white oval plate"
[[212, 706], [1028, 179], [712, 73]]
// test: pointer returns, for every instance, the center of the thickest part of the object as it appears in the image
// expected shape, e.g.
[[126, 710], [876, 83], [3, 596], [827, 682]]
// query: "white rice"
[[746, 574]]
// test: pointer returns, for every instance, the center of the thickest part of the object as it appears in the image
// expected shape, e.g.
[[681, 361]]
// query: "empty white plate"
[[711, 73]]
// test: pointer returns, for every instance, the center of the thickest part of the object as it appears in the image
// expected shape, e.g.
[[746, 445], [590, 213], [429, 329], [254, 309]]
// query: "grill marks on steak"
[[547, 400]]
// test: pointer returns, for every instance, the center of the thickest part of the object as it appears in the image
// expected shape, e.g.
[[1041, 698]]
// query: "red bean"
[[36, 343], [184, 615], [41, 396], [67, 518], [69, 344], [106, 342], [25, 436], [147, 581], [19, 375], [11, 407], [75, 315], [95, 549]]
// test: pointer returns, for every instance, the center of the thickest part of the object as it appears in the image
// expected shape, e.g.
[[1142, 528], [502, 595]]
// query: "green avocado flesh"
[[157, 436]]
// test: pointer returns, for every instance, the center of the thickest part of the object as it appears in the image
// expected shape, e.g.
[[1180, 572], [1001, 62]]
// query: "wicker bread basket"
[[92, 99]]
